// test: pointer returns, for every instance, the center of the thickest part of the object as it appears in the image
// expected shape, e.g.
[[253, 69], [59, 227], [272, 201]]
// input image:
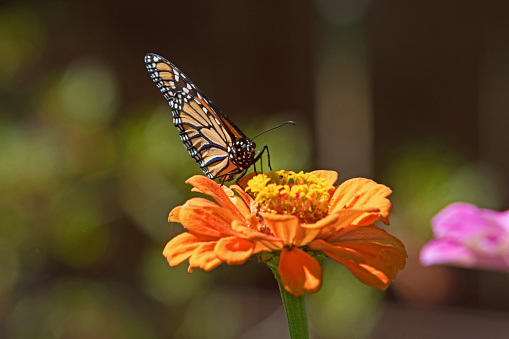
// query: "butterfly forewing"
[[208, 135]]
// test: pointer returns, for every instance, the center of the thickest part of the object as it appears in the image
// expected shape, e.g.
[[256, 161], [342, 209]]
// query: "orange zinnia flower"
[[295, 218]]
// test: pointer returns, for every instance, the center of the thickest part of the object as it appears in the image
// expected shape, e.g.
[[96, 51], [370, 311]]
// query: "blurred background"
[[411, 94]]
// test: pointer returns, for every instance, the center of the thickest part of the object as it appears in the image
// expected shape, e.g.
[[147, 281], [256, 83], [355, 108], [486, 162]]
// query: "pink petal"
[[463, 221], [443, 251]]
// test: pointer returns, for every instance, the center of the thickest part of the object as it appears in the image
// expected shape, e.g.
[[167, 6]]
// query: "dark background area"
[[411, 94]]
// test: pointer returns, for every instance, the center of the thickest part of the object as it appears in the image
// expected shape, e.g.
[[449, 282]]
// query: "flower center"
[[286, 192]]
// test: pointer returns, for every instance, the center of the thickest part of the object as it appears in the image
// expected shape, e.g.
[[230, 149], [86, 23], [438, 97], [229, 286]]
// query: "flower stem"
[[295, 308]]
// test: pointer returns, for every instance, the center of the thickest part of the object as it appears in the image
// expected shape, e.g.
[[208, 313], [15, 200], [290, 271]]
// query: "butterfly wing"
[[207, 134]]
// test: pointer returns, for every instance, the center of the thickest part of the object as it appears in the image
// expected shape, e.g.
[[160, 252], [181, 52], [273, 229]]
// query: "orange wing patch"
[[232, 129]]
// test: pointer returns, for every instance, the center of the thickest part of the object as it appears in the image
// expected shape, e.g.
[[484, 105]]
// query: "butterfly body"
[[220, 148]]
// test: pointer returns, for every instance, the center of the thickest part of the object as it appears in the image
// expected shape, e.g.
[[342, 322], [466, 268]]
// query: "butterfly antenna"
[[270, 129]]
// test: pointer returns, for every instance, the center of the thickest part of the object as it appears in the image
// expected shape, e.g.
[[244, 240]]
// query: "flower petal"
[[443, 251], [468, 223], [245, 179], [374, 260], [330, 176], [362, 194], [370, 234], [246, 197], [209, 187], [181, 247], [239, 202], [330, 219], [283, 227], [200, 202], [205, 257], [459, 221], [501, 218], [252, 233], [289, 229], [233, 250], [300, 273], [261, 246], [174, 215], [335, 225], [212, 220]]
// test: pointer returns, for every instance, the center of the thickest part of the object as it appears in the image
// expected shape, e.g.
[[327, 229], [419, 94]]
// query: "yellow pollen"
[[286, 192]]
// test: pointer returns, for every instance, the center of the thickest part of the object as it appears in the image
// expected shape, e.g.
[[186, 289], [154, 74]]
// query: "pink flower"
[[468, 236]]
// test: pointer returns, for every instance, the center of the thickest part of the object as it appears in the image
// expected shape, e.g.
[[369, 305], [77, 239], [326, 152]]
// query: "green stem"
[[295, 308]]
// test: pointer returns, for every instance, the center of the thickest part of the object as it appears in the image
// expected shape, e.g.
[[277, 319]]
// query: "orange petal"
[[289, 229], [251, 233], [207, 186], [370, 234], [330, 176], [181, 247], [300, 273], [174, 214], [284, 227], [204, 257], [261, 246], [264, 242], [233, 250], [330, 219], [200, 202], [246, 197], [243, 181], [375, 264], [336, 224], [239, 202], [212, 221], [305, 235], [362, 194]]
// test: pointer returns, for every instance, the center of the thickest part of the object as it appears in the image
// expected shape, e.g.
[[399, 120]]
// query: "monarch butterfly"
[[220, 148]]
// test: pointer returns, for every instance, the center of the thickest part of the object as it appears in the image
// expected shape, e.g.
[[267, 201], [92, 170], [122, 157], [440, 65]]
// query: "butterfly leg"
[[265, 148], [240, 177], [254, 164]]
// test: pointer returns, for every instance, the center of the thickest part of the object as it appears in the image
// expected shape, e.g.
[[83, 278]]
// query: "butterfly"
[[220, 148]]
